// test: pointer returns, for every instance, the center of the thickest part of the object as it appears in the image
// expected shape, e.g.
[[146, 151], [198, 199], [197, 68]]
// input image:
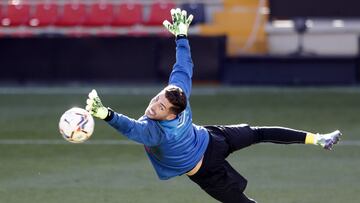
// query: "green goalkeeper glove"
[[180, 23], [95, 107]]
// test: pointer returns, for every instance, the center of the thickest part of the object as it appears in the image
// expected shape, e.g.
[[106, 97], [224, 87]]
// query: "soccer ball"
[[76, 125]]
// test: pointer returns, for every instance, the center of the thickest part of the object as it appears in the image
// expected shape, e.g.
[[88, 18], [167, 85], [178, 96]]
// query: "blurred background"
[[233, 42], [262, 62]]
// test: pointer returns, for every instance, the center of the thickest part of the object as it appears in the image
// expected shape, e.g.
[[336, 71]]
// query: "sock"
[[311, 138]]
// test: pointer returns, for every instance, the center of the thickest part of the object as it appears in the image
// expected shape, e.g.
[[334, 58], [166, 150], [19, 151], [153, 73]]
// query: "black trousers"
[[216, 176]]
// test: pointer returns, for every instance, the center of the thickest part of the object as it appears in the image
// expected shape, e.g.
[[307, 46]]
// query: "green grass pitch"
[[56, 171]]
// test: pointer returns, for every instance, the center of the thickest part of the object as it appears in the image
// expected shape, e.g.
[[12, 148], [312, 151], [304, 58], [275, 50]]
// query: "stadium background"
[[256, 61]]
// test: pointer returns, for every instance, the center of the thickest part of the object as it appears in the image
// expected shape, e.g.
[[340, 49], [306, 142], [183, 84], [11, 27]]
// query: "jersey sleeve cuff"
[[181, 37], [110, 115]]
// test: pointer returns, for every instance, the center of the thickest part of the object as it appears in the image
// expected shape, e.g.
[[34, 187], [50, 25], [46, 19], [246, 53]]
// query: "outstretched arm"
[[183, 68], [182, 71], [143, 131]]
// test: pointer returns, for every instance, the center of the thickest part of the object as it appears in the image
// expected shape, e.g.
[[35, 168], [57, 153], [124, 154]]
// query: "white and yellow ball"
[[76, 125]]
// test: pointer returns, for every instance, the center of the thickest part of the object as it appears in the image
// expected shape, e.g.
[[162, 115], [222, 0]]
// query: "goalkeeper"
[[176, 146]]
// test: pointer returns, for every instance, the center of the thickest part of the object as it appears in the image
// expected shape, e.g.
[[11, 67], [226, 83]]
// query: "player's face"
[[159, 108]]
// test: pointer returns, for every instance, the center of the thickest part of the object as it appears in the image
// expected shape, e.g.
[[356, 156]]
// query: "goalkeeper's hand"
[[95, 107], [180, 23]]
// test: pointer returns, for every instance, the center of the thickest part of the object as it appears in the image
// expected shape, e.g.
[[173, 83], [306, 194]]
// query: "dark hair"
[[177, 98]]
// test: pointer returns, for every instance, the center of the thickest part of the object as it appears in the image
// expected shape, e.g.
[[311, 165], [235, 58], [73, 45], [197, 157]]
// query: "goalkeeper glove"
[[180, 23], [95, 107]]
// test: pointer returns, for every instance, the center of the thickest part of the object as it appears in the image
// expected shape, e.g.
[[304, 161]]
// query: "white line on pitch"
[[107, 142], [62, 142]]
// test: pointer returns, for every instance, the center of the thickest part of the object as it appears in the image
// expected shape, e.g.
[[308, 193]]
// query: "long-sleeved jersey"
[[175, 146]]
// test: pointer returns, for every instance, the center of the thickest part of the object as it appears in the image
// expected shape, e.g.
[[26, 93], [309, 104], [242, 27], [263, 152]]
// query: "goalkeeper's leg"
[[241, 136], [288, 136]]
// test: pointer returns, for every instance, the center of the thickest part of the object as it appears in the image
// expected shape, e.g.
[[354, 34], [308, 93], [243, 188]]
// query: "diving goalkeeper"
[[176, 146]]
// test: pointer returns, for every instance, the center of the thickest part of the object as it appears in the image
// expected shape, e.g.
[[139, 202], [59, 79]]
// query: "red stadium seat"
[[159, 11], [17, 14], [2, 7], [128, 14], [100, 13], [73, 14], [45, 14]]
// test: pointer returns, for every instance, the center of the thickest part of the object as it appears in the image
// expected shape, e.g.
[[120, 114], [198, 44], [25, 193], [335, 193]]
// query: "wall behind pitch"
[[77, 59], [104, 60], [290, 70]]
